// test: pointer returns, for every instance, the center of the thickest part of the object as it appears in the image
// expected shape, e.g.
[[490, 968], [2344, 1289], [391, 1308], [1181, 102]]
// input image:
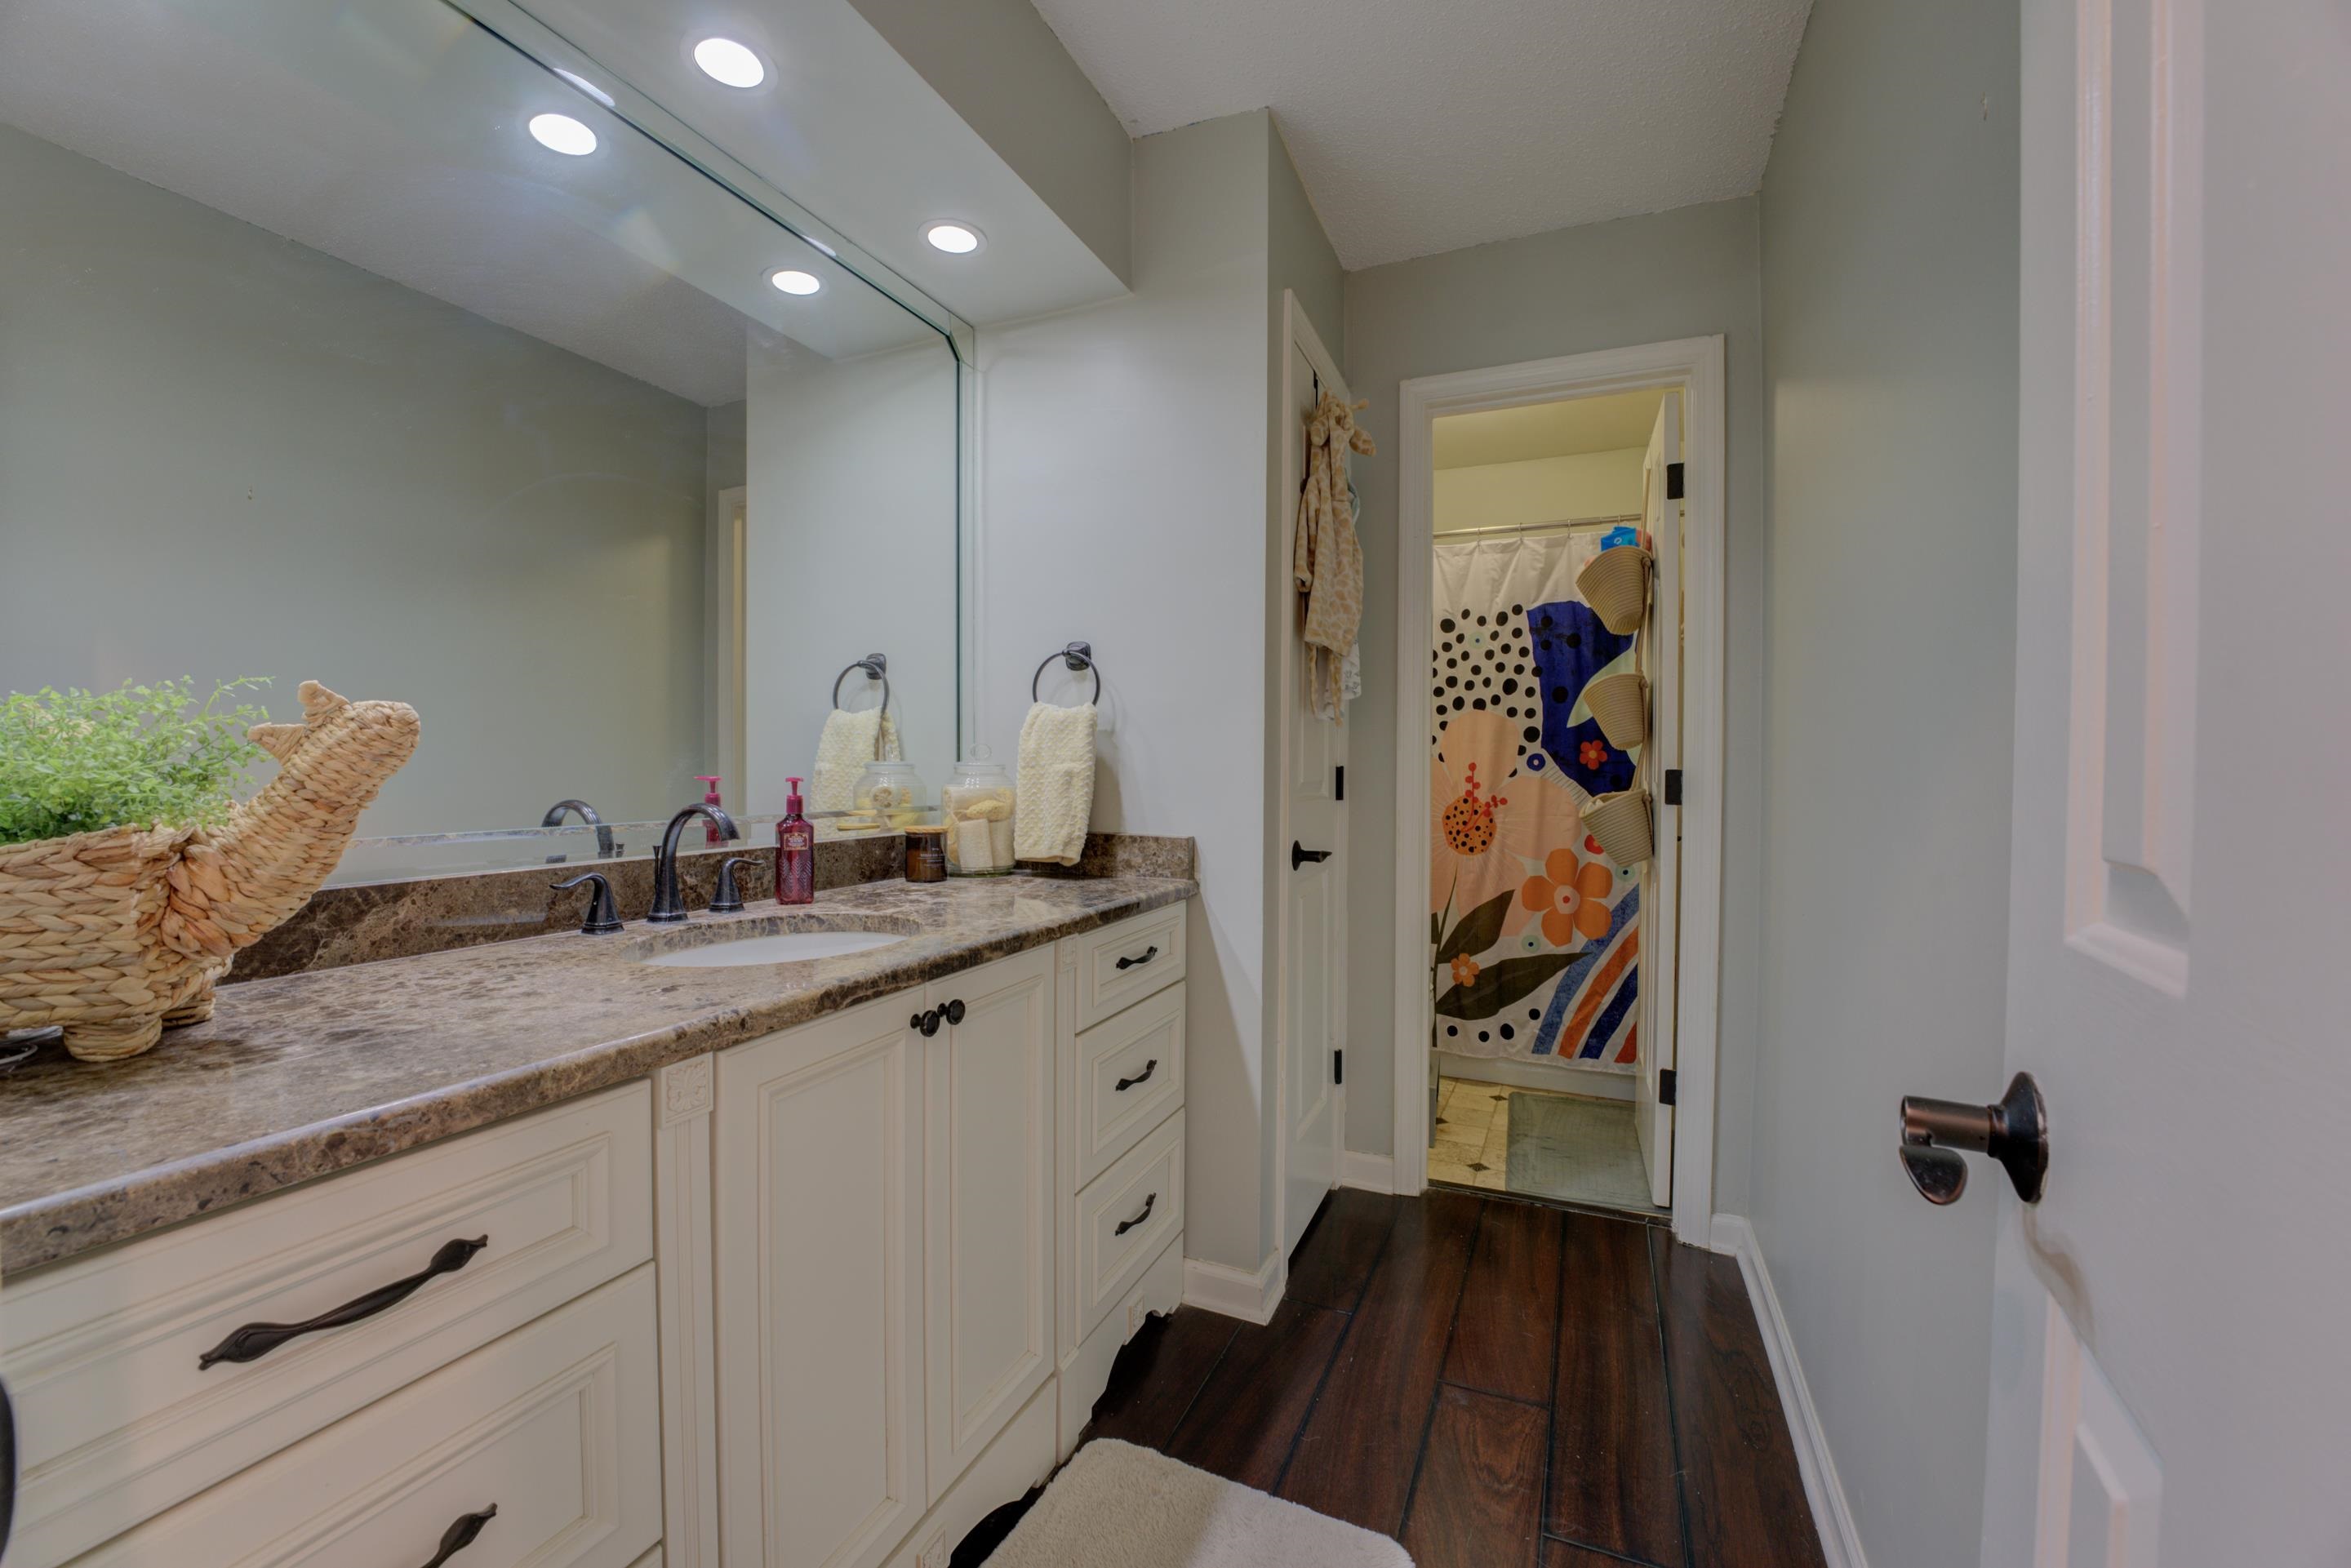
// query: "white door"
[[1314, 896], [990, 1173], [1661, 519], [2169, 1360], [817, 1171]]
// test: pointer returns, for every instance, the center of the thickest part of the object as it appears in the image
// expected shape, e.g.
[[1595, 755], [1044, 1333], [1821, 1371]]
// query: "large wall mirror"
[[354, 341]]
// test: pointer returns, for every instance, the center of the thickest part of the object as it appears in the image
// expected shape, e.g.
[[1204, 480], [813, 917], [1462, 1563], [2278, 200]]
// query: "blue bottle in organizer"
[[795, 853]]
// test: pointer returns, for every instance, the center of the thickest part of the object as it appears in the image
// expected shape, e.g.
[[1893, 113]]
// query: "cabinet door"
[[818, 1221], [990, 1157]]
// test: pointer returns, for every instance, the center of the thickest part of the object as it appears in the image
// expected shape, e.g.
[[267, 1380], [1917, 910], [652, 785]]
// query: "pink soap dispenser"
[[795, 853], [710, 833]]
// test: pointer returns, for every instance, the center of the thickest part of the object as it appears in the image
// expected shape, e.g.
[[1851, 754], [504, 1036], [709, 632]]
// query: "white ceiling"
[[1422, 126], [1568, 428]]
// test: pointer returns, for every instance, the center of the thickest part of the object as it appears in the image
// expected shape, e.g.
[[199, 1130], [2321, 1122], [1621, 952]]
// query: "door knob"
[[1300, 854], [2013, 1129]]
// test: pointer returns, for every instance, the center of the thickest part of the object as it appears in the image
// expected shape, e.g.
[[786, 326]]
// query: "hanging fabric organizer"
[[1536, 930]]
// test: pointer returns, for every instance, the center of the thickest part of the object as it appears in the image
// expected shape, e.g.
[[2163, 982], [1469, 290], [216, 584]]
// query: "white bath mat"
[[1118, 1506]]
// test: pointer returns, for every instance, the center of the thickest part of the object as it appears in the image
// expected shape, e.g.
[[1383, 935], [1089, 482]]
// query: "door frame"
[[1696, 364], [1297, 331]]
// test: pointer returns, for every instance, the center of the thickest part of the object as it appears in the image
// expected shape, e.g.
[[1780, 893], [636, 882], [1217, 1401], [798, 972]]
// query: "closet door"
[[990, 1203], [818, 1216]]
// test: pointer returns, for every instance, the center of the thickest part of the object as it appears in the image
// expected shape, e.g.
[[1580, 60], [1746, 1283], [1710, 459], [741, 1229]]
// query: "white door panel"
[[2168, 1354], [1661, 518], [1313, 936]]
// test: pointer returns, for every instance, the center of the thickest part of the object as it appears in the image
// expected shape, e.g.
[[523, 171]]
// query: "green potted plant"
[[129, 873]]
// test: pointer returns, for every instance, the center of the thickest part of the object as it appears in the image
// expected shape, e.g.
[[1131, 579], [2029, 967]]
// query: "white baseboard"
[[1372, 1172], [1513, 1072], [1219, 1287], [1840, 1541]]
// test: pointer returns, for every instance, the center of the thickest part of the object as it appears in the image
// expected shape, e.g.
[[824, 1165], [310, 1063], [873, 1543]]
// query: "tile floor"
[[1473, 1133]]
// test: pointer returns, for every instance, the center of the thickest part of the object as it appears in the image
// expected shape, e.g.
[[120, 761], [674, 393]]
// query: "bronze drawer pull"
[[1126, 1225], [1125, 1085], [254, 1341], [460, 1535], [1148, 954]]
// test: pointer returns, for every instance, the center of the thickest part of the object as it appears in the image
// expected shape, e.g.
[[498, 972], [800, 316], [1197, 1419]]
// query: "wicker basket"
[[1616, 583], [1621, 704], [83, 944], [115, 935], [1621, 822]]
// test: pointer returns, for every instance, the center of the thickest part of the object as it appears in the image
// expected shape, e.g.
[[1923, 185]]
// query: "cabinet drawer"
[[1122, 963], [118, 1421], [1130, 1076], [1124, 1217], [555, 1427]]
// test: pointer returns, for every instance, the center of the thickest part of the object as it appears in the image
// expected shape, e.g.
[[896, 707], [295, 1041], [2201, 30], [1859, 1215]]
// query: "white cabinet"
[[817, 1217], [126, 1405], [990, 1211], [893, 1252], [540, 1449]]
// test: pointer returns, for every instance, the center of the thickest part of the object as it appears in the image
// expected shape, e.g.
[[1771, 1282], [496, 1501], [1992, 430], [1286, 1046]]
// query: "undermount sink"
[[751, 943]]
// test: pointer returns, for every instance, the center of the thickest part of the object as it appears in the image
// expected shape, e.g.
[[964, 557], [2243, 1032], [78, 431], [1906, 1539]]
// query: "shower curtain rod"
[[1538, 527]]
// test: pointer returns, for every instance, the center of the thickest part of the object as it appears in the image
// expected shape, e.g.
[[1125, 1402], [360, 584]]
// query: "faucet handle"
[[728, 899], [603, 914]]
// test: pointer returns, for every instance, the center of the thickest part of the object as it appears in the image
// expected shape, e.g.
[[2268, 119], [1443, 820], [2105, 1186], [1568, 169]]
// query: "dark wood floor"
[[1492, 1383]]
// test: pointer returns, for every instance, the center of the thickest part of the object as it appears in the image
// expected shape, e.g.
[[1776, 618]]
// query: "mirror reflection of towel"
[[1056, 793], [849, 742]]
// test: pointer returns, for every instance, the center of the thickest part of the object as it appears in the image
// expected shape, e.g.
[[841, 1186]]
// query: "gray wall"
[[223, 454], [850, 550], [1680, 274], [1002, 69], [1889, 226], [1123, 500]]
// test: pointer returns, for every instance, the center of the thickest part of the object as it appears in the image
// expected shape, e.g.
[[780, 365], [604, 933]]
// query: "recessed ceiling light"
[[955, 239], [792, 280], [727, 62], [561, 133], [584, 85]]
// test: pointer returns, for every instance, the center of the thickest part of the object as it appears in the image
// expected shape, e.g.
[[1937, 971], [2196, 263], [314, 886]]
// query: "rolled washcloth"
[[850, 741], [1055, 783]]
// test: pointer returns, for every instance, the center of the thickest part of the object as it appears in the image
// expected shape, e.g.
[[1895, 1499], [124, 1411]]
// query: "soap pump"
[[710, 833], [795, 853]]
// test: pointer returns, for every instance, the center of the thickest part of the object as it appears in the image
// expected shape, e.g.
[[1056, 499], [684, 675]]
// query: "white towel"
[[1055, 783], [849, 742]]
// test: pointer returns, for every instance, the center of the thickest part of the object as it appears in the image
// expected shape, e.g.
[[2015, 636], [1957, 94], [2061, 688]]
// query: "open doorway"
[[1554, 716]]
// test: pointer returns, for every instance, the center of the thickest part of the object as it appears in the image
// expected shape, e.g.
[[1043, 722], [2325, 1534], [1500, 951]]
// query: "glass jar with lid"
[[976, 807], [891, 793]]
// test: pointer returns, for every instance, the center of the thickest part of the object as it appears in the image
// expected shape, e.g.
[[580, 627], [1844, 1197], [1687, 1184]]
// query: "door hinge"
[[1673, 481], [1338, 789], [1338, 1068], [1673, 786], [1666, 1086]]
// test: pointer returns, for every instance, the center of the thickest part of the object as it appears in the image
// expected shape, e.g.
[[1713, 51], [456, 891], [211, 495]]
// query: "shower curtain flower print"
[[1573, 896], [1480, 845]]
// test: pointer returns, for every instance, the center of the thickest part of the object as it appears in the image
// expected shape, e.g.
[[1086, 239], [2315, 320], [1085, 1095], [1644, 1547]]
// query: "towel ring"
[[876, 667], [1077, 656]]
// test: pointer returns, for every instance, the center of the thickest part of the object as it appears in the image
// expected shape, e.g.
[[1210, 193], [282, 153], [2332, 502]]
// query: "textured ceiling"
[[1421, 126], [1565, 429]]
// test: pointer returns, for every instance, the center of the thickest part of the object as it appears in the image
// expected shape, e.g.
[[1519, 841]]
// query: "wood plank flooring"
[[1496, 1384]]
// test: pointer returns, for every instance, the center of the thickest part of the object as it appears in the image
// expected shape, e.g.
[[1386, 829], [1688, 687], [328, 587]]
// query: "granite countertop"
[[306, 1074]]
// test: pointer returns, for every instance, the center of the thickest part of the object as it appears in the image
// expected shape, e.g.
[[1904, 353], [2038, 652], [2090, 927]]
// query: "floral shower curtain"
[[1536, 933]]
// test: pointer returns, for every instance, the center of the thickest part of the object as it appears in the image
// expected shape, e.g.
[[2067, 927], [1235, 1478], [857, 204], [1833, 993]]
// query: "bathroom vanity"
[[623, 1263]]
